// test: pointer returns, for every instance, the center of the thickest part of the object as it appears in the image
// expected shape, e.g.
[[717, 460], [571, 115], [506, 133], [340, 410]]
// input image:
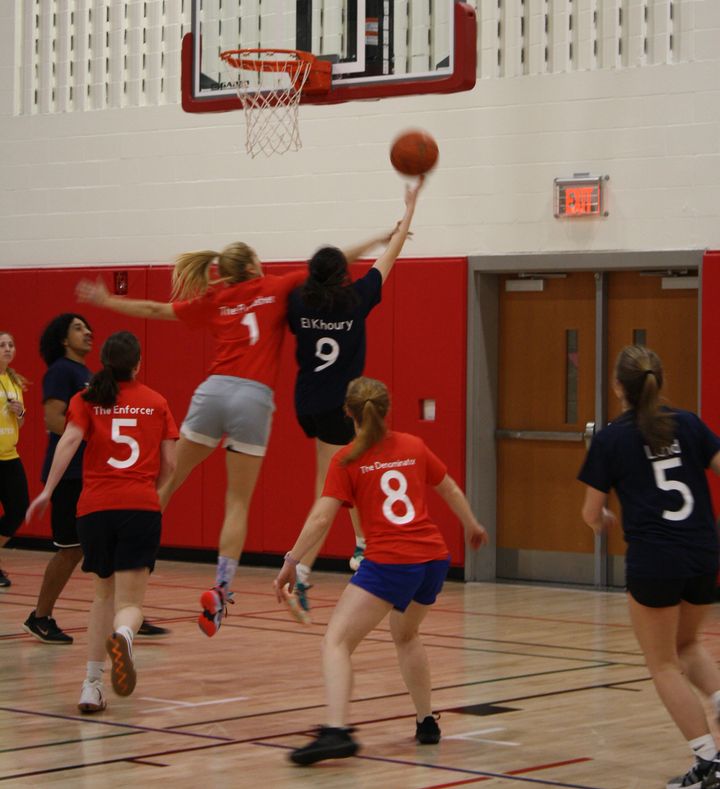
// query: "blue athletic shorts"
[[401, 584]]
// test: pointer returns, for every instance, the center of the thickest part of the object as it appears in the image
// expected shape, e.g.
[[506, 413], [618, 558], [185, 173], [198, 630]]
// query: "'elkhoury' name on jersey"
[[238, 308], [319, 323], [665, 452]]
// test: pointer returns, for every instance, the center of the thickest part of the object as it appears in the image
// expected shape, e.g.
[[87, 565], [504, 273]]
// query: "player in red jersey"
[[384, 474], [130, 451], [245, 311]]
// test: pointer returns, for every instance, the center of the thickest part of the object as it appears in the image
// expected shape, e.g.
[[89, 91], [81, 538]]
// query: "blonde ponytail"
[[367, 401], [191, 276]]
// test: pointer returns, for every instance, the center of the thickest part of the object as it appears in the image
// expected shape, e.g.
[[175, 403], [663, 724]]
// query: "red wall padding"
[[416, 344], [710, 343]]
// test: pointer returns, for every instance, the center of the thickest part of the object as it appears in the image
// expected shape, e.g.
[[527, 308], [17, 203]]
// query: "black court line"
[[461, 770], [547, 694], [531, 644], [144, 761], [374, 639], [100, 722], [69, 742], [145, 758], [400, 694]]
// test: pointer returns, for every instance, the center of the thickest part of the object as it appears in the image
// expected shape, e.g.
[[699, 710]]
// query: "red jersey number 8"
[[396, 495], [129, 441]]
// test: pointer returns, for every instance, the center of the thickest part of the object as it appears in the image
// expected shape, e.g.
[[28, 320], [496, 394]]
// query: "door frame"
[[482, 373]]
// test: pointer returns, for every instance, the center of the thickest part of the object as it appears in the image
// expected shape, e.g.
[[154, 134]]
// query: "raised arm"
[[96, 293], [450, 492], [364, 247], [386, 261]]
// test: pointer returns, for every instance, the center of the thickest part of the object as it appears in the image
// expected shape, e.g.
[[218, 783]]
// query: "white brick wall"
[[142, 184]]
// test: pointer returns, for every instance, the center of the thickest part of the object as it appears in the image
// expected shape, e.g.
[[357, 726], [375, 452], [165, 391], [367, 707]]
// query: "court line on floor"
[[399, 695], [119, 724], [514, 775], [69, 742], [144, 758]]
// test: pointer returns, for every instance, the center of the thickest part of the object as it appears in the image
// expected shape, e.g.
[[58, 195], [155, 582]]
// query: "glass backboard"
[[377, 48]]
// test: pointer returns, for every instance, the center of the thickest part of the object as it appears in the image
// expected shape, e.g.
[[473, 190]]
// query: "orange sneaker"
[[123, 674]]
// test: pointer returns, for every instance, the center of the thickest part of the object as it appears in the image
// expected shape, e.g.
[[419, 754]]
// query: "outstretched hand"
[[477, 536], [92, 292], [37, 507], [411, 192], [286, 576]]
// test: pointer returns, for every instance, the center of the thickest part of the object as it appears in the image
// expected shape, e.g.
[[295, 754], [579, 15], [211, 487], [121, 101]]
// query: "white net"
[[270, 96]]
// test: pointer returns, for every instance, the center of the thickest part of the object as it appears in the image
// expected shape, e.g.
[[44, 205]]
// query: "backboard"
[[377, 48]]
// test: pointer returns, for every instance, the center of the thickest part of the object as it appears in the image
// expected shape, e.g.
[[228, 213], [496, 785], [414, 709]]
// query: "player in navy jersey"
[[64, 344], [327, 315], [655, 457]]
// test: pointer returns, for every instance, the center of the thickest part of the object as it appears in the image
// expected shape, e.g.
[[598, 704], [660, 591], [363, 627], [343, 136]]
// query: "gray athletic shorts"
[[237, 408]]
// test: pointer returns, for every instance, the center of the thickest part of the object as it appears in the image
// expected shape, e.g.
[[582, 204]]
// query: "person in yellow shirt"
[[13, 482]]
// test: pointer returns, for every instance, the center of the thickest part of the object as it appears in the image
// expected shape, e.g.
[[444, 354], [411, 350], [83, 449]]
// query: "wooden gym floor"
[[536, 686]]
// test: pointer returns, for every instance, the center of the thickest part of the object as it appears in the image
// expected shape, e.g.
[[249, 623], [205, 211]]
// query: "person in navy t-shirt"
[[655, 458], [327, 315], [64, 344]]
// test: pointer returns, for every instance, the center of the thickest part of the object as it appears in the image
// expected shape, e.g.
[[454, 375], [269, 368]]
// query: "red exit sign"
[[579, 196]]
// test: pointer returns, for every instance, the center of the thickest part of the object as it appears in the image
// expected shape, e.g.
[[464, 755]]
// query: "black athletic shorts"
[[115, 540], [332, 427], [665, 592], [63, 513], [14, 496]]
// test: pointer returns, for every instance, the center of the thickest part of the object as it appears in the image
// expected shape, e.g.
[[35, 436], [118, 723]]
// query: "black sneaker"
[[701, 774], [4, 580], [427, 732], [45, 628], [712, 779], [329, 743], [148, 629]]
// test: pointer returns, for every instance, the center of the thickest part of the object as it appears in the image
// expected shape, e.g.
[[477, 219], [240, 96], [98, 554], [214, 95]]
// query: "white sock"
[[225, 573], [360, 542], [124, 630], [704, 747], [95, 670], [302, 571], [715, 698]]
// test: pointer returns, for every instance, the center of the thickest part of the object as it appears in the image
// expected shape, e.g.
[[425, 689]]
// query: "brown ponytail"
[[367, 401], [191, 275], [639, 371]]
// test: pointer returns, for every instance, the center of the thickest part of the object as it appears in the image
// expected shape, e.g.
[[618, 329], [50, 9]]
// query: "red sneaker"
[[214, 603]]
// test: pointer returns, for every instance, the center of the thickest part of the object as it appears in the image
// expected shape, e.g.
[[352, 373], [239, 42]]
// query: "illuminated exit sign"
[[581, 195]]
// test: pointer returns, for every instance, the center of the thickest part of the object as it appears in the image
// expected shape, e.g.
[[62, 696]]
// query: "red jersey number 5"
[[129, 441]]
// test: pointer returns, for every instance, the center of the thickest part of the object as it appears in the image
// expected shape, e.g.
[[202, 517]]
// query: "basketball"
[[414, 152]]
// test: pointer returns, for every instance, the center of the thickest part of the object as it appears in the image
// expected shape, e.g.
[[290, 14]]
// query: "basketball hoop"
[[269, 85]]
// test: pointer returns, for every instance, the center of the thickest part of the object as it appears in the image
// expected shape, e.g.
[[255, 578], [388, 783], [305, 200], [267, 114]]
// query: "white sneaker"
[[92, 698]]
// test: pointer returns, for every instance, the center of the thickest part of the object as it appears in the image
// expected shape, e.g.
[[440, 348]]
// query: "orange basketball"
[[414, 152]]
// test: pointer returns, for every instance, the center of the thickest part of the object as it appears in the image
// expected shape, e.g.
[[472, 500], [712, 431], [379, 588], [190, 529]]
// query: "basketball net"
[[269, 91]]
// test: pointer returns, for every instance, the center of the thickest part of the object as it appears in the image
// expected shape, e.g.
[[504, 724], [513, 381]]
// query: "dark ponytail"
[[328, 287], [639, 371], [120, 355]]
